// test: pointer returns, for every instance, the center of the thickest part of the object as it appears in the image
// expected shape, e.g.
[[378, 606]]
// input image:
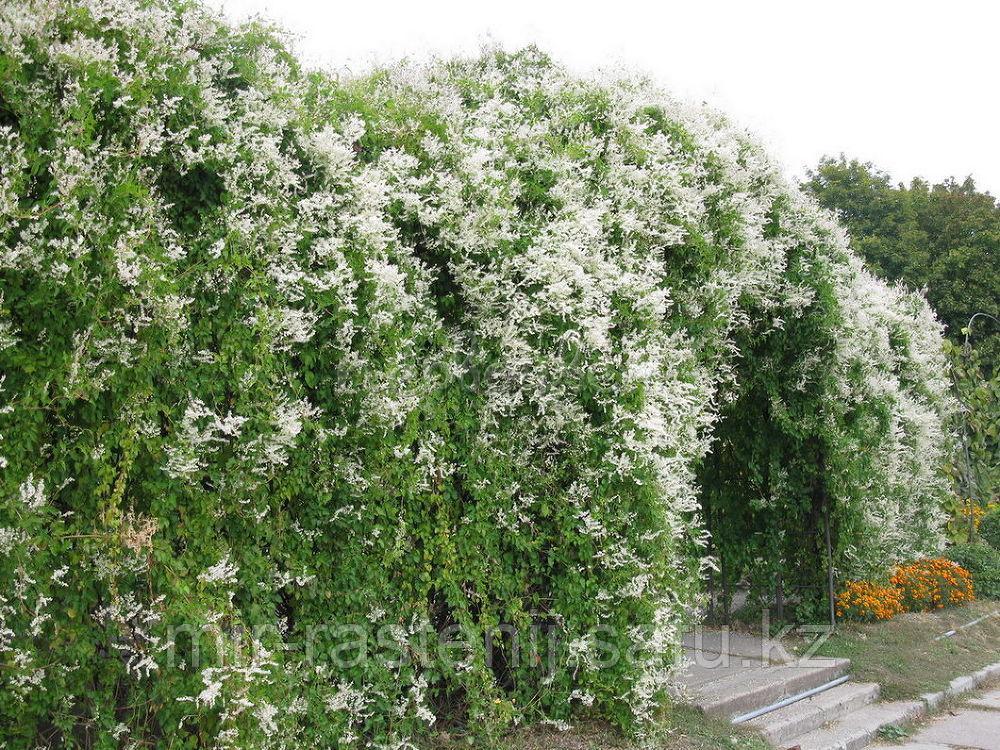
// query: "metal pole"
[[829, 568], [743, 718], [829, 544]]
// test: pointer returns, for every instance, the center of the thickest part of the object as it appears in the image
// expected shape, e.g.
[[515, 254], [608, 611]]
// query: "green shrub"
[[303, 378], [983, 562], [989, 528]]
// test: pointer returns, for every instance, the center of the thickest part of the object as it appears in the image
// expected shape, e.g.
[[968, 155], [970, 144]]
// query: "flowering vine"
[[302, 377]]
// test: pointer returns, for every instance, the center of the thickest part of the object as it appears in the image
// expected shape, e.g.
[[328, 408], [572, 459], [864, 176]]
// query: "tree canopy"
[[944, 238]]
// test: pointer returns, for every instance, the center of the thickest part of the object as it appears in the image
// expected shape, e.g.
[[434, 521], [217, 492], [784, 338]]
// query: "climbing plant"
[[334, 411], [975, 465]]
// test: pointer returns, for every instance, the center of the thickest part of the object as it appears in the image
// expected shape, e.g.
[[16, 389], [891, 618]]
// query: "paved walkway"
[[975, 724]]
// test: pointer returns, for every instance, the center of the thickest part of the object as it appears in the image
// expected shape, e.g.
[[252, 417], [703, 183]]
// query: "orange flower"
[[932, 583], [866, 601]]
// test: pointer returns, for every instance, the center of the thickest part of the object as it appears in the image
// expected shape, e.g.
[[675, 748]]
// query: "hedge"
[[989, 528], [298, 369]]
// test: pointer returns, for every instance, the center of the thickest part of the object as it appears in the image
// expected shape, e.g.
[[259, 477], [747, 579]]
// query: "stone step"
[[740, 645], [755, 688], [695, 675], [812, 713], [858, 728]]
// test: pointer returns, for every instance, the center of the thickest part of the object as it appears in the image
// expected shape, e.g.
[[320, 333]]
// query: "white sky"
[[910, 85]]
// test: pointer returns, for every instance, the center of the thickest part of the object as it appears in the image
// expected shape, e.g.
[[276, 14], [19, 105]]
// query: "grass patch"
[[686, 728], [585, 735], [903, 657], [681, 728], [893, 733]]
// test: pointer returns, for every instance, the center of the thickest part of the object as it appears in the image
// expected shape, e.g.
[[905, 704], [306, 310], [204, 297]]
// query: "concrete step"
[[742, 645], [755, 688], [858, 728], [695, 675], [812, 713]]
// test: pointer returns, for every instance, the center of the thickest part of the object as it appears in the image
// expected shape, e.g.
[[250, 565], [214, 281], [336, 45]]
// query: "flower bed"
[[933, 583], [864, 601]]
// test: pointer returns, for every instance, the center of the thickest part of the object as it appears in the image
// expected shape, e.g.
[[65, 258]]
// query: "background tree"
[[944, 238]]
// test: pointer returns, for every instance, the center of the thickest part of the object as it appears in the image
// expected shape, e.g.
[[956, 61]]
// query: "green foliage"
[[975, 468], [989, 528], [893, 732], [304, 380], [958, 510], [793, 454], [983, 562], [943, 238]]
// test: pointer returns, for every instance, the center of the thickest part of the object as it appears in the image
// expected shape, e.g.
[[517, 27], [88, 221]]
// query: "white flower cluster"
[[198, 433], [889, 341]]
